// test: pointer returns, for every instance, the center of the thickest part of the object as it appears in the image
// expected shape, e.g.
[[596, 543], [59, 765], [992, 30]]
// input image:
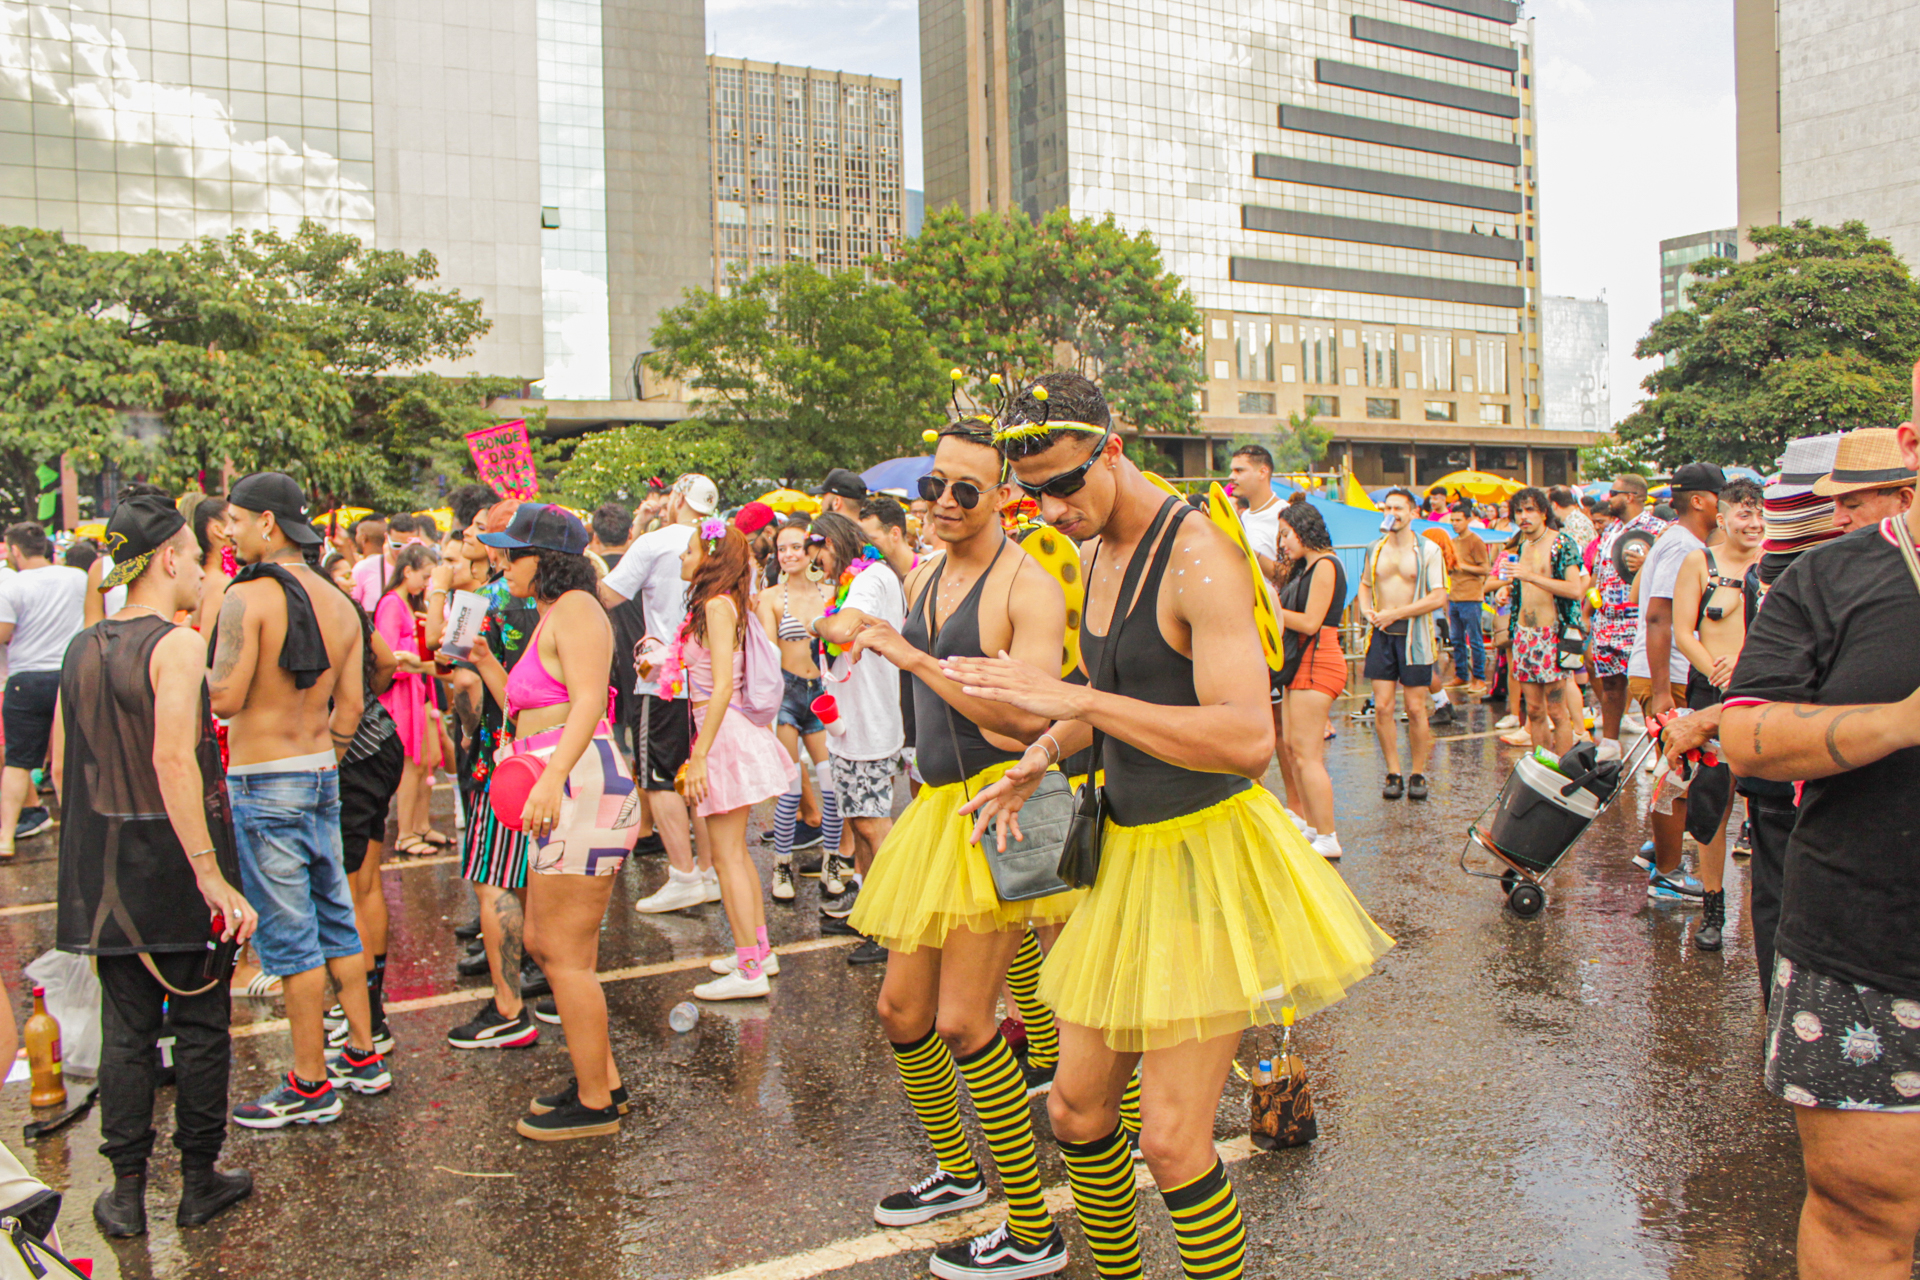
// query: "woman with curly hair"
[[735, 763]]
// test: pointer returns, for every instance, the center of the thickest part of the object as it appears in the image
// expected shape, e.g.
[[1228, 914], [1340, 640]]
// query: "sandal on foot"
[[414, 846], [438, 839], [261, 986]]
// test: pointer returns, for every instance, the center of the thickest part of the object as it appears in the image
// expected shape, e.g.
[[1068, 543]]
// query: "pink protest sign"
[[505, 459]]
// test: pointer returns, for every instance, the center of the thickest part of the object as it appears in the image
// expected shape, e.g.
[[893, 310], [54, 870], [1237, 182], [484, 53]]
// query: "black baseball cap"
[[281, 494], [842, 483], [541, 525], [138, 527], [1699, 477]]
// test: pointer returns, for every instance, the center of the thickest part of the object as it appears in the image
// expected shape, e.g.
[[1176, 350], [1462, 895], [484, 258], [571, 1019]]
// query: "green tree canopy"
[[811, 370], [1818, 333], [1002, 294], [617, 463]]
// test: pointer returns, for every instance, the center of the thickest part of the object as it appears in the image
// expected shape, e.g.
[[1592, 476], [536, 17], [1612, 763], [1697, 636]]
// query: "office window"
[[1490, 360], [1323, 406], [1256, 402], [1288, 373], [1319, 353], [1439, 411], [1220, 369], [1220, 329], [1253, 348], [1379, 358], [1495, 415], [1378, 408], [1436, 362]]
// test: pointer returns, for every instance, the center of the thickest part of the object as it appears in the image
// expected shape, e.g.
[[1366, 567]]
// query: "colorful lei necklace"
[[869, 556]]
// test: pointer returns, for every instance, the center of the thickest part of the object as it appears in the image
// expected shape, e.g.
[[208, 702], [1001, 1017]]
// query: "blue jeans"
[[1463, 621], [287, 829]]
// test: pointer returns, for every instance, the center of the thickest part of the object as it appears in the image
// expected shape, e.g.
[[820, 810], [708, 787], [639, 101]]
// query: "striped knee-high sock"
[[1130, 1107], [999, 1094], [1101, 1174], [1023, 979], [926, 1071], [829, 807], [786, 812], [1207, 1226]]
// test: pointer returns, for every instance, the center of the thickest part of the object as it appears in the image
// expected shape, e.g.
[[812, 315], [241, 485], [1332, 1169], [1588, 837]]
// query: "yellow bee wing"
[[1227, 517], [1162, 484], [1061, 558]]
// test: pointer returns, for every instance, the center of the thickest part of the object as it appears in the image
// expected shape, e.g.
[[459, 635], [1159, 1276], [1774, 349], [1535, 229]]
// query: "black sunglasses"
[[521, 553], [1067, 483], [965, 492]]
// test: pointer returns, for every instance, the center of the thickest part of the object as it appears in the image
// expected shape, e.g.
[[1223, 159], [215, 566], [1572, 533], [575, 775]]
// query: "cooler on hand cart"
[[1541, 813]]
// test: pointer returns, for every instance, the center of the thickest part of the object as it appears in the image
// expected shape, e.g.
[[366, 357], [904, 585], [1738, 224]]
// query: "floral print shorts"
[[1536, 656], [1839, 1044]]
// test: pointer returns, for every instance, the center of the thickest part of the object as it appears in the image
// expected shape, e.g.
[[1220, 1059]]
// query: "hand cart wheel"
[[1527, 900]]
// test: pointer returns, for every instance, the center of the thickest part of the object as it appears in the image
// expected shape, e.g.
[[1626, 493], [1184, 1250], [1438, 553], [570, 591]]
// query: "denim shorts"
[[796, 705], [287, 827]]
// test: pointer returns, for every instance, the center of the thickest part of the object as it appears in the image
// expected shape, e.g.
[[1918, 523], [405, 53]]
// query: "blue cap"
[[541, 525]]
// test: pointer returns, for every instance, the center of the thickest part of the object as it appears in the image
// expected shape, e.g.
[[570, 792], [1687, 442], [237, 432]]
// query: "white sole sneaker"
[[674, 895], [734, 987], [1328, 847], [726, 964], [711, 883], [927, 1213]]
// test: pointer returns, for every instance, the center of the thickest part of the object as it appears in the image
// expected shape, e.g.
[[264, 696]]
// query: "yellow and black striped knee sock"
[[1207, 1226], [1023, 979], [1130, 1107], [1101, 1174], [1000, 1100], [926, 1071]]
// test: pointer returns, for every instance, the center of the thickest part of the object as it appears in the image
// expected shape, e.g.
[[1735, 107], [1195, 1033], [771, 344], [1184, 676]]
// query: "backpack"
[[762, 686]]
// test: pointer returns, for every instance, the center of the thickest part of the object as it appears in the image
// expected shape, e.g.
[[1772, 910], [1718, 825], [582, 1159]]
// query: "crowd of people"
[[236, 699]]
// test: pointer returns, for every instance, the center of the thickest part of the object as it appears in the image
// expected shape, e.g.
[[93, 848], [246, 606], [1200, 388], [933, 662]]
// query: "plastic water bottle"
[[1263, 1071], [684, 1016]]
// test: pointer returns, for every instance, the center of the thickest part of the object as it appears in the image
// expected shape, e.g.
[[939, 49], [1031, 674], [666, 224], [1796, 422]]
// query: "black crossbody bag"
[[1080, 852]]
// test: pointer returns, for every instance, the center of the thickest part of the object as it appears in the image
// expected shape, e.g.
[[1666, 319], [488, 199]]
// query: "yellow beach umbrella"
[[788, 501], [1481, 486]]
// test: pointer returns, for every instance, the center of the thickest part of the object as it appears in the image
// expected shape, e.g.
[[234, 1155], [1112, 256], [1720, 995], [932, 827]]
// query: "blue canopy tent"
[[901, 475]]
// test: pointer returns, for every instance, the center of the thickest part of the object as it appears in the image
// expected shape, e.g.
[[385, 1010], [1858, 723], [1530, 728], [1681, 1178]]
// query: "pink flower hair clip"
[[712, 529]]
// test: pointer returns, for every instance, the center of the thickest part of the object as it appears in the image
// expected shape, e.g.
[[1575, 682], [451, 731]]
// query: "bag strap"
[[1123, 607], [1895, 528]]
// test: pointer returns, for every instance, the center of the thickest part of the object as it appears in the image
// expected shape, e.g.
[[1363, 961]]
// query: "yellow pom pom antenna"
[[957, 376], [995, 379], [1027, 430], [930, 435], [1040, 394]]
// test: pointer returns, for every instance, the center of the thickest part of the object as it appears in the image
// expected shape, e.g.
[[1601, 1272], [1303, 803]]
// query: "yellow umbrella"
[[345, 515], [788, 501], [95, 529], [442, 517], [1481, 486]]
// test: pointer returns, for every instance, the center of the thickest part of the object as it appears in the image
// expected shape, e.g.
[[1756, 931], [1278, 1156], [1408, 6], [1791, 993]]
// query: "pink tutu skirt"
[[745, 765]]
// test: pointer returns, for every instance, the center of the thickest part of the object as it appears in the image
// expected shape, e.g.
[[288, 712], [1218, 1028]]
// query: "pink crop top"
[[530, 686]]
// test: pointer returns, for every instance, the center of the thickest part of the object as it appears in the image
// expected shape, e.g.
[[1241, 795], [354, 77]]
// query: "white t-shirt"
[[47, 607], [870, 699], [1263, 528], [650, 569], [1657, 578]]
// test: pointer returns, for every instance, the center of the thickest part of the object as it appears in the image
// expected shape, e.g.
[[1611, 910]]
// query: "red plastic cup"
[[827, 708]]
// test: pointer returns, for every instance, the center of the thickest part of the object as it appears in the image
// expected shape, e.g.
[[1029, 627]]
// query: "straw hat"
[[1866, 459]]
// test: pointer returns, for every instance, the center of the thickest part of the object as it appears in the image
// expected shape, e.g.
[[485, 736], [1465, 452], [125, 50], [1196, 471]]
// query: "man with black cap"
[[842, 492], [147, 864], [287, 676], [1657, 670]]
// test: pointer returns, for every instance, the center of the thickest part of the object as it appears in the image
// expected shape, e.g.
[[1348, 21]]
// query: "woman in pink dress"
[[735, 763], [406, 699]]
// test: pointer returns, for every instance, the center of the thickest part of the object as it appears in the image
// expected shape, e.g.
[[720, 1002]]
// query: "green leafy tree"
[[1816, 334], [811, 370], [618, 463], [1002, 294], [1300, 445], [1611, 456]]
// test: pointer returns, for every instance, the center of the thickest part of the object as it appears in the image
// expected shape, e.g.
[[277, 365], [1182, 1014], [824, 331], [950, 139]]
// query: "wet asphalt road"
[[1573, 1096]]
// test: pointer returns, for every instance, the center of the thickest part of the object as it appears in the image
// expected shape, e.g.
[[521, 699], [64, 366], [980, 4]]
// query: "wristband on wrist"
[[203, 853], [1054, 757]]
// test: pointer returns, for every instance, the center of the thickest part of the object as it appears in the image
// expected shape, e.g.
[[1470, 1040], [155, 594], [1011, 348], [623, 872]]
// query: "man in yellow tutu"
[[1210, 912], [929, 897]]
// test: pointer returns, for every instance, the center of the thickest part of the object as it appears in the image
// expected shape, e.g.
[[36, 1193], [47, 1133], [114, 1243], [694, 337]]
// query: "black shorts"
[[667, 726], [366, 791], [27, 717], [1387, 660]]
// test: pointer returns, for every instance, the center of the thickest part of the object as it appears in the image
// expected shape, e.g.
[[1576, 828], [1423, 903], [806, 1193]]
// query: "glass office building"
[[1348, 191], [1678, 255]]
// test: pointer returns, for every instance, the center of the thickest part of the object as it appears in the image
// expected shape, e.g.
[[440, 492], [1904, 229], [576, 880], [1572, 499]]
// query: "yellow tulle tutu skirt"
[[927, 880], [1205, 925]]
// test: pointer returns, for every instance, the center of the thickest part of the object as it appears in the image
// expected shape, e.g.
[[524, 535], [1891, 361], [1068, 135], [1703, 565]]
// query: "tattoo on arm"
[[231, 635], [1833, 736], [341, 741], [1757, 722]]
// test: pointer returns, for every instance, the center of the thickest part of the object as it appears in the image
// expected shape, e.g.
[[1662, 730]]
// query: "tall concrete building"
[[1575, 361], [805, 165], [1678, 255], [1827, 109], [550, 153], [1349, 191]]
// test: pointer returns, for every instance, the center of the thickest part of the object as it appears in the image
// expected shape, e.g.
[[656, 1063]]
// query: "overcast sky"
[[1636, 127]]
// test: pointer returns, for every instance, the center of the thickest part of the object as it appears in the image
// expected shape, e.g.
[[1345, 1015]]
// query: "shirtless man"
[[1545, 569], [287, 678], [1403, 585]]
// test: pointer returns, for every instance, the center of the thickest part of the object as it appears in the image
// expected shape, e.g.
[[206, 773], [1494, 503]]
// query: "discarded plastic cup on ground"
[[827, 707], [465, 612], [683, 1016]]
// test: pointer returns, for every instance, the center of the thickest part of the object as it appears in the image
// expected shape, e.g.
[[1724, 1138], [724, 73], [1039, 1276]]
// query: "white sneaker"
[[1632, 724], [1507, 722], [734, 987], [726, 964], [1609, 749], [1327, 846], [1306, 828], [712, 885], [682, 890], [833, 875], [783, 881]]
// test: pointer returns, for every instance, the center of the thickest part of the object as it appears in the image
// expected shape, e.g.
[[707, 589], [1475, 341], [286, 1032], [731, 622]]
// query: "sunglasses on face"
[[965, 492], [1067, 483], [521, 553]]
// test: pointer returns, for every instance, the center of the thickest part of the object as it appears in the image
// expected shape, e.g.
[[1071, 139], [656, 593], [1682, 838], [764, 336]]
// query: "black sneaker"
[[999, 1254], [469, 931], [570, 1120], [338, 1034], [491, 1029], [868, 952], [1038, 1078], [1394, 789], [650, 846], [32, 822], [1713, 919], [471, 965], [834, 927], [1742, 845], [934, 1196], [1442, 714], [842, 907], [805, 836], [766, 837], [554, 1101], [533, 983], [809, 866], [1416, 786], [546, 1010]]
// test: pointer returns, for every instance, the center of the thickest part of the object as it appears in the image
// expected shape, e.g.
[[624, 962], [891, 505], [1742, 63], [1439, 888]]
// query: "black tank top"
[[959, 636], [1140, 788], [1293, 595]]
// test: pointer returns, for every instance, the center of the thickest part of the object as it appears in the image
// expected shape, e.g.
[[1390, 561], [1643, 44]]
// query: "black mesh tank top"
[[958, 636], [1141, 788]]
